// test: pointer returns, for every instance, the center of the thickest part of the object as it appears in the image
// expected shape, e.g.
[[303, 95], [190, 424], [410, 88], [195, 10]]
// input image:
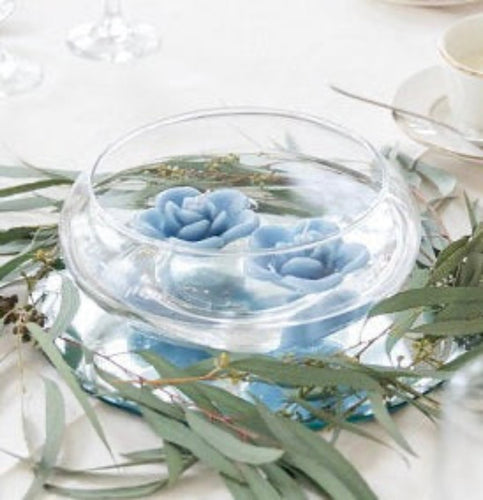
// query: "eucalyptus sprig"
[[258, 454]]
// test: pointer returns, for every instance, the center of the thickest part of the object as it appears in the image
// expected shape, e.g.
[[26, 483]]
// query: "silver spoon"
[[470, 145]]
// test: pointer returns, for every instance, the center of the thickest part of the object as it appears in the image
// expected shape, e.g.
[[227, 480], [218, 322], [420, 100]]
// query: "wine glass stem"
[[112, 8]]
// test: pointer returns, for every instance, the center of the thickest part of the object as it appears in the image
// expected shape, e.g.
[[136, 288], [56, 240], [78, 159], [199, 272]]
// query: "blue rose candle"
[[313, 269], [208, 220]]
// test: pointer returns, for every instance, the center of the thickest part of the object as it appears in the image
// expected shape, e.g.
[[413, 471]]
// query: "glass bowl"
[[242, 230]]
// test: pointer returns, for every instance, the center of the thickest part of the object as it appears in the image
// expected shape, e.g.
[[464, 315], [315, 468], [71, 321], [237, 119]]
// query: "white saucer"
[[432, 3], [424, 93]]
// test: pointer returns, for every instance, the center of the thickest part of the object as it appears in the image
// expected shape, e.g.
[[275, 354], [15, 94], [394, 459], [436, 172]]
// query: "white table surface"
[[277, 53]]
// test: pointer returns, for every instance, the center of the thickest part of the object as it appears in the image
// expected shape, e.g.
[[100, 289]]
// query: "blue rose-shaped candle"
[[209, 220], [308, 270]]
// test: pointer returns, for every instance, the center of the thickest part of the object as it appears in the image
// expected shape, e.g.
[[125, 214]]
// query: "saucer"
[[432, 3], [424, 93]]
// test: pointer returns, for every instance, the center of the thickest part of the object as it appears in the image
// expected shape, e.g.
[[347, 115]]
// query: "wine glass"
[[461, 458], [16, 75], [112, 38]]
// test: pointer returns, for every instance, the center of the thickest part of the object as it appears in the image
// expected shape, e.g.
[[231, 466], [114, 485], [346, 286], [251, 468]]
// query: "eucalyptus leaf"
[[384, 418], [33, 186], [229, 445], [471, 270], [150, 454], [448, 265], [261, 488], [284, 483], [329, 482], [317, 458], [462, 360], [174, 461], [69, 305], [23, 233], [339, 423], [30, 203], [13, 264], [470, 208], [272, 370], [444, 182], [167, 370], [454, 328], [181, 435], [428, 296], [239, 491], [48, 347], [125, 492], [235, 407], [142, 395], [54, 431]]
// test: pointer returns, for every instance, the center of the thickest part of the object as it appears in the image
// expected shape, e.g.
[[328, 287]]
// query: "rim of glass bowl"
[[235, 111]]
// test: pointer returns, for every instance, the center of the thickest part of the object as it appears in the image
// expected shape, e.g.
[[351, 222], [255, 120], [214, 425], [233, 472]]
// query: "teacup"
[[461, 48]]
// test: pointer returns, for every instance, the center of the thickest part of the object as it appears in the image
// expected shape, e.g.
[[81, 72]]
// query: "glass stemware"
[[16, 75], [112, 38]]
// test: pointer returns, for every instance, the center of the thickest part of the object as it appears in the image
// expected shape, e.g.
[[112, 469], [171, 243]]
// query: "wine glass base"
[[21, 76], [6, 8], [117, 46]]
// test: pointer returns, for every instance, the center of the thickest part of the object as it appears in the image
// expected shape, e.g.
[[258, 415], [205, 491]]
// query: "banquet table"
[[273, 53]]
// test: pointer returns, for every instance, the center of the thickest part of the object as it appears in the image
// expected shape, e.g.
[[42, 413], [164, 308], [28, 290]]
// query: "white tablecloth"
[[277, 53]]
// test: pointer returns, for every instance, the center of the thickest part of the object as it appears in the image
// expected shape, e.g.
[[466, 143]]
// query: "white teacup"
[[461, 48]]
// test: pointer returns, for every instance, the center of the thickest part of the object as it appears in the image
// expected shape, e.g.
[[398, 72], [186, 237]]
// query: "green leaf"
[[11, 265], [260, 487], [48, 347], [150, 454], [174, 461], [428, 296], [28, 170], [137, 491], [69, 305], [229, 445], [454, 328], [317, 458], [384, 418], [329, 418], [30, 203], [285, 484], [330, 483], [237, 408], [22, 233], [167, 370], [54, 431], [400, 327], [142, 395], [471, 270], [447, 266], [470, 208], [239, 491], [178, 433], [444, 182], [463, 359], [289, 374], [55, 424], [33, 186]]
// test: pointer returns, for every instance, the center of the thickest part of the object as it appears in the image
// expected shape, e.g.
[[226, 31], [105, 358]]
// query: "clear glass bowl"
[[319, 227]]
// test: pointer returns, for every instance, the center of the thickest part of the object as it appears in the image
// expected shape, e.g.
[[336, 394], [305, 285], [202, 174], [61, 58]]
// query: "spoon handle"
[[395, 109]]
